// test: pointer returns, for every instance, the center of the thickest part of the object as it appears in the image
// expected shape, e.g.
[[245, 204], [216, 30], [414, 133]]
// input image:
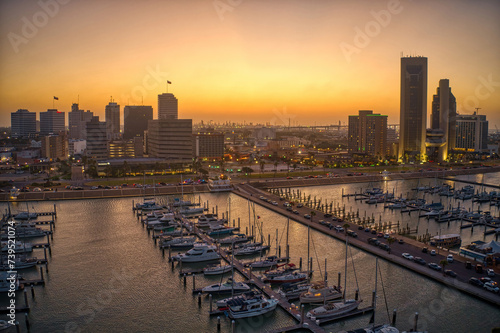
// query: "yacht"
[[239, 238], [251, 307], [227, 287], [6, 280], [266, 263], [19, 247], [248, 250], [178, 242], [25, 216], [293, 290], [18, 264], [333, 309], [220, 230], [320, 292], [191, 211], [199, 253]]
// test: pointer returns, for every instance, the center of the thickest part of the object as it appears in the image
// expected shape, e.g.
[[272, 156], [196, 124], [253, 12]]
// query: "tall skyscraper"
[[52, 122], [413, 106], [167, 106], [171, 139], [23, 123], [443, 117], [471, 133], [112, 114], [97, 147], [77, 120], [135, 120], [367, 133]]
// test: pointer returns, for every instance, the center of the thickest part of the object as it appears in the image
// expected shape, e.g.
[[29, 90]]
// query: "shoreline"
[[64, 194]]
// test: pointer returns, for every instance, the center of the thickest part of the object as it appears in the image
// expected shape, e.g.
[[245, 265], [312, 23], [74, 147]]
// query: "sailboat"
[[332, 309]]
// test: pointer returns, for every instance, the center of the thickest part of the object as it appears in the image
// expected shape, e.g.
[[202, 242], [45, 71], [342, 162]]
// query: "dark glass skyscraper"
[[413, 106]]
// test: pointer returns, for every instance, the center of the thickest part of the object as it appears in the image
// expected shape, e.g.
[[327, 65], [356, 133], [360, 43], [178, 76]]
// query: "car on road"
[[491, 286], [449, 258], [401, 241], [289, 208], [327, 215], [479, 268], [451, 273], [475, 282], [424, 250], [374, 232], [307, 216], [360, 227], [384, 246], [373, 241], [322, 222], [490, 272], [485, 279], [407, 256], [368, 230], [380, 235], [262, 197], [352, 233], [339, 228], [419, 260], [296, 212], [433, 252], [300, 205], [274, 203], [434, 266]]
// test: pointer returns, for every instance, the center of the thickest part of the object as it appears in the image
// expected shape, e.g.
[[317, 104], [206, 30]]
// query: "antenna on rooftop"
[[477, 110]]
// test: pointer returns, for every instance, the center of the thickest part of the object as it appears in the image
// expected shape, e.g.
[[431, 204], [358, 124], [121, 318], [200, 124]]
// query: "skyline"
[[242, 60]]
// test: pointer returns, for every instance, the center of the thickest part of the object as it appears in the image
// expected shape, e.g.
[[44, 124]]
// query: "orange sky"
[[266, 61]]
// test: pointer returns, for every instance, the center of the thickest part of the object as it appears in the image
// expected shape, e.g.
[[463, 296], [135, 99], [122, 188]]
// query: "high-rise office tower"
[[413, 106], [135, 120], [52, 122], [23, 123], [97, 147], [112, 113], [443, 117], [171, 139], [167, 106], [77, 120], [367, 134], [471, 133]]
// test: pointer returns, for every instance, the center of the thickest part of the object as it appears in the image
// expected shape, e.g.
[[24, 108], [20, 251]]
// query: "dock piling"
[[199, 299], [233, 326], [218, 323], [26, 319], [194, 281], [416, 322], [210, 299], [32, 292], [41, 274], [184, 280], [394, 313], [25, 294]]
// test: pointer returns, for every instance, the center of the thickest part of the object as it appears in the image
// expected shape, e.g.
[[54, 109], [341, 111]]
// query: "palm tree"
[[391, 241], [276, 162], [313, 213], [262, 165], [443, 264]]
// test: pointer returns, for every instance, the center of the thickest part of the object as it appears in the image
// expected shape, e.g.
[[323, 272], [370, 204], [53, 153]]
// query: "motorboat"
[[148, 206], [199, 253], [19, 247], [217, 269], [332, 309], [251, 307], [211, 223], [19, 264], [293, 290], [226, 287], [177, 242], [320, 292], [192, 210], [290, 277], [247, 295], [7, 280], [25, 216]]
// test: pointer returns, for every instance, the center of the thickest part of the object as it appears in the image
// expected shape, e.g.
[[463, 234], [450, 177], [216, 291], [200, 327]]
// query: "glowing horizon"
[[256, 61]]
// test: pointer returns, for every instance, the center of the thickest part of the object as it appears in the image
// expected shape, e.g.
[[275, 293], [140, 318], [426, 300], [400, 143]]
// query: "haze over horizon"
[[240, 60]]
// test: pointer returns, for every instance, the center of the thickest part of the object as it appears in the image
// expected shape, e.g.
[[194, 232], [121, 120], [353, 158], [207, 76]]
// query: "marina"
[[153, 263]]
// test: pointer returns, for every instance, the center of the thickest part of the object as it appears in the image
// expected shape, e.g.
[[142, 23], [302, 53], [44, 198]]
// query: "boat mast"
[[345, 270]]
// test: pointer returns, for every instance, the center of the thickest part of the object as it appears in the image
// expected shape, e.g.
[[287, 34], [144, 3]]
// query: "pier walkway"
[[470, 182], [409, 246]]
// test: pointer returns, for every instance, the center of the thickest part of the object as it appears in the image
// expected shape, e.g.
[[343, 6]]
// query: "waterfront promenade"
[[409, 246], [129, 191]]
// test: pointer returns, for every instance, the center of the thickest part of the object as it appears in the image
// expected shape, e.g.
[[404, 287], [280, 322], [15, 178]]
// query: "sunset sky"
[[253, 60]]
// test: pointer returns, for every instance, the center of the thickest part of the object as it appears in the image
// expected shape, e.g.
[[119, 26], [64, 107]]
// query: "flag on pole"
[[56, 98], [168, 82]]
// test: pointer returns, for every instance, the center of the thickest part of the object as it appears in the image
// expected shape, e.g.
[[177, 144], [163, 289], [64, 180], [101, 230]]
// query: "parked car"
[[419, 260], [434, 266], [490, 272], [380, 235], [300, 205], [307, 216], [424, 250], [479, 268], [475, 282], [485, 279], [368, 230], [491, 286], [327, 215], [360, 227], [296, 212], [451, 273], [449, 258], [352, 233], [384, 246], [401, 241], [468, 265], [433, 252], [339, 228]]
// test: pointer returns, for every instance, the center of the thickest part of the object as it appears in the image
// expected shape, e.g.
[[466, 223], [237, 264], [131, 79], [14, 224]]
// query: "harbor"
[[128, 258]]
